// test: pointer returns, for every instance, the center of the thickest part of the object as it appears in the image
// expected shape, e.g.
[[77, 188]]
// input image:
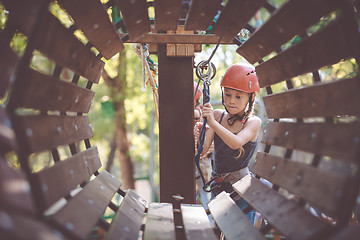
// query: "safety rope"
[[149, 67], [206, 78]]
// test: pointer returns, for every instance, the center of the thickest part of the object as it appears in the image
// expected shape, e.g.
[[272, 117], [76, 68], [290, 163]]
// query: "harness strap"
[[231, 177]]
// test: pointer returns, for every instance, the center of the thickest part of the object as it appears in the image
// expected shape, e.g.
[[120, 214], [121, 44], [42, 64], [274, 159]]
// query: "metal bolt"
[[299, 177], [339, 193], [44, 187], [29, 132], [69, 226], [7, 123], [5, 221]]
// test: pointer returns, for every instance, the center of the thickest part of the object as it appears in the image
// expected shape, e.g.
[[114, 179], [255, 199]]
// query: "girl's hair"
[[244, 119]]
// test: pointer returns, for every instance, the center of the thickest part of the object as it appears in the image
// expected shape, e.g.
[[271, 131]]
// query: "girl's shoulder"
[[254, 118], [254, 121], [218, 113]]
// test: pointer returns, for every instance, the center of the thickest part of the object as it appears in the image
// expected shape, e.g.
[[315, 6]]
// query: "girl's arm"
[[249, 132], [209, 137]]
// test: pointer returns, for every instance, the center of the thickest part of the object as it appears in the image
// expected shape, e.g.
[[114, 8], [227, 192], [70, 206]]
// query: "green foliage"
[[3, 16]]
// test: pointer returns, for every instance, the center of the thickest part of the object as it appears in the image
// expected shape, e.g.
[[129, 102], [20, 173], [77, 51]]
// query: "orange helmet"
[[241, 77], [198, 93]]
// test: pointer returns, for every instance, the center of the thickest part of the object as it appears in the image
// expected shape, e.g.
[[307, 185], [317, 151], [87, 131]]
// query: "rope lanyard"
[[206, 78], [149, 67]]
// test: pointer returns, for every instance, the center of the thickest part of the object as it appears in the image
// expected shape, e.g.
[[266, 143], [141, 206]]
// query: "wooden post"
[[176, 140]]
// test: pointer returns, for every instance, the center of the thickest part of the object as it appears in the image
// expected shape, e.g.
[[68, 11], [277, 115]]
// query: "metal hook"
[[210, 74]]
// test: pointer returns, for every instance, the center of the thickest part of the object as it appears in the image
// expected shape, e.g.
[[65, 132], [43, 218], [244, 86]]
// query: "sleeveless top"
[[224, 158]]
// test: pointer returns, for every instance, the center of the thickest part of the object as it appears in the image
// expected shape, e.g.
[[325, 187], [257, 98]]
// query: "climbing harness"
[[149, 67]]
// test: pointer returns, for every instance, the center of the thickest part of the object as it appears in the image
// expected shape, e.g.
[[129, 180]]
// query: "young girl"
[[233, 131]]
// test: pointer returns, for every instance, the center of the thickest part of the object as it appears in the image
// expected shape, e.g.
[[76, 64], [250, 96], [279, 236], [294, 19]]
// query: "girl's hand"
[[208, 112]]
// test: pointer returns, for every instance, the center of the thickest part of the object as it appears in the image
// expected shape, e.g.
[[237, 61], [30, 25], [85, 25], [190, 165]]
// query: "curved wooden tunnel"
[[310, 143]]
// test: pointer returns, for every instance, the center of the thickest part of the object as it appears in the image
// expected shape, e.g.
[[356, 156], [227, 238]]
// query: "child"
[[233, 131]]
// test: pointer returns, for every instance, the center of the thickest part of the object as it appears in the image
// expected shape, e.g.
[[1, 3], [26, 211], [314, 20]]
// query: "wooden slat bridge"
[[306, 172]]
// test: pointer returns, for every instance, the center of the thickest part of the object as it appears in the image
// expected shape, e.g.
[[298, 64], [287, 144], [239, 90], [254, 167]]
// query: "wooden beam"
[[176, 138], [163, 38]]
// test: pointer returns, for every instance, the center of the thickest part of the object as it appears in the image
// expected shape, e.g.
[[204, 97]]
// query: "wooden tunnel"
[[310, 147]]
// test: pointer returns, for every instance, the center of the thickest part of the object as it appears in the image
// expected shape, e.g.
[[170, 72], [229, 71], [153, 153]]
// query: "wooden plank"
[[95, 24], [339, 40], [225, 213], [7, 135], [235, 15], [20, 226], [52, 94], [159, 222], [167, 14], [128, 219], [180, 50], [337, 141], [8, 62], [286, 22], [196, 222], [349, 233], [60, 45], [40, 132], [23, 18], [82, 212], [135, 17], [201, 14], [70, 172], [15, 191], [323, 189], [167, 38], [283, 214], [322, 100]]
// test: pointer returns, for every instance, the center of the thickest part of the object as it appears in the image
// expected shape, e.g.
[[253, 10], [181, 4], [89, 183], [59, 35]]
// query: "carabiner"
[[210, 74]]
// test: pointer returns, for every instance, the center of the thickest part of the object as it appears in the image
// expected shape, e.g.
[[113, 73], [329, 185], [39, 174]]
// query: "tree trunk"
[[111, 156], [118, 94]]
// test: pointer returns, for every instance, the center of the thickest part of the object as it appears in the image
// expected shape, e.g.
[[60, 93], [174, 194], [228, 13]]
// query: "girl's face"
[[235, 101]]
